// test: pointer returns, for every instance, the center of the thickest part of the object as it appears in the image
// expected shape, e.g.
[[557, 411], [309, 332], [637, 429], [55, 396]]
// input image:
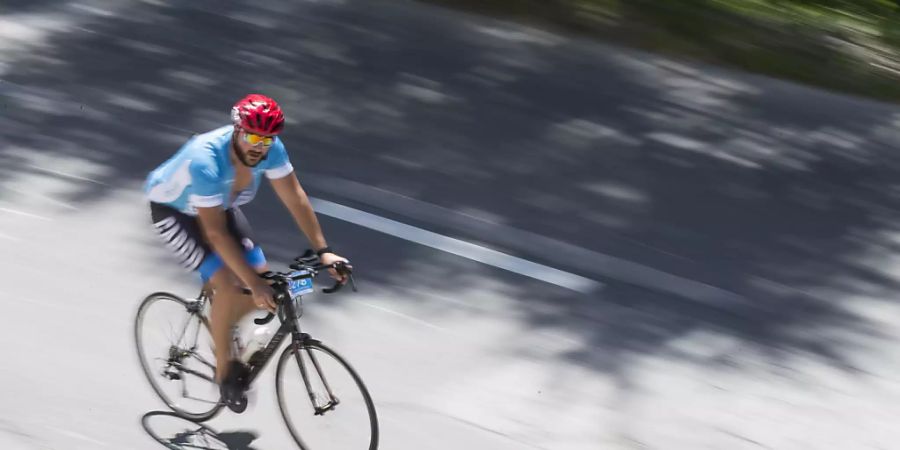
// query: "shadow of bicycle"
[[176, 433]]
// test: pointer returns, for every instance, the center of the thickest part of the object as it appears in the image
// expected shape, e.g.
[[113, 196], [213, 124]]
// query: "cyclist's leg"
[[182, 235], [228, 307], [234, 305]]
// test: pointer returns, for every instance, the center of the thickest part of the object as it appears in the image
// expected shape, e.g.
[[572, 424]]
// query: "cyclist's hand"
[[331, 258], [263, 296]]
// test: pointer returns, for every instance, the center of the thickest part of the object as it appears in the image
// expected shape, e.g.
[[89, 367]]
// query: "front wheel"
[[323, 401]]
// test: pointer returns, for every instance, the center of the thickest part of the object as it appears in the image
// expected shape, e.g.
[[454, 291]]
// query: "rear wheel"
[[175, 349], [323, 401]]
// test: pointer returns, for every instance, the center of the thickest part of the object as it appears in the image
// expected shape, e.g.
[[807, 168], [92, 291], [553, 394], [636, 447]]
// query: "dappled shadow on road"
[[783, 195]]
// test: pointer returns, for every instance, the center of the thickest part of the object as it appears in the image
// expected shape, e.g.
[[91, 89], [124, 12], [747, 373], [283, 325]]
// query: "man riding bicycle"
[[195, 200]]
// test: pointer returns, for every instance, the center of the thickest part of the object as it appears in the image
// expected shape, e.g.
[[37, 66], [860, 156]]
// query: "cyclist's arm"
[[214, 223], [208, 200], [297, 202]]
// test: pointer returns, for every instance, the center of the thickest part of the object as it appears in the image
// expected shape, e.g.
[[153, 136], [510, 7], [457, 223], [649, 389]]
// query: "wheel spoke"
[[174, 328]]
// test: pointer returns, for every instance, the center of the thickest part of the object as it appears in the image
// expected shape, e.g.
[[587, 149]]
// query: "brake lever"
[[264, 320], [269, 276], [352, 283], [279, 300], [341, 267]]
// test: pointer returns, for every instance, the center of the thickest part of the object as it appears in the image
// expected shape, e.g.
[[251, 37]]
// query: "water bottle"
[[257, 340]]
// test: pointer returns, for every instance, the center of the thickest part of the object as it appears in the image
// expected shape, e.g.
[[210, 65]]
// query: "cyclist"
[[195, 200]]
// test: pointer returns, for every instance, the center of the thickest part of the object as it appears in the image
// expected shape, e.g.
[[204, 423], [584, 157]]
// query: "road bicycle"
[[318, 391]]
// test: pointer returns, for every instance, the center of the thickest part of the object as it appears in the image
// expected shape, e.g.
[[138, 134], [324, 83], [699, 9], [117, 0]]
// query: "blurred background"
[[576, 224], [846, 45]]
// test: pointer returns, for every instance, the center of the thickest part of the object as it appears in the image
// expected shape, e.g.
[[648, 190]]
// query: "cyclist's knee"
[[224, 280]]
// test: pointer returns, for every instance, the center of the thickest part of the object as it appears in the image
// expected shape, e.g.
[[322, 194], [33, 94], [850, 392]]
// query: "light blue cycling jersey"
[[200, 174]]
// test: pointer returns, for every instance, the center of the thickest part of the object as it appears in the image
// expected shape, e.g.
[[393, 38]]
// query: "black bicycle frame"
[[290, 325]]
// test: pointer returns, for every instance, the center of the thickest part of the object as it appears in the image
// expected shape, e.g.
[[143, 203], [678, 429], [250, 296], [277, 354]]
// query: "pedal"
[[236, 382], [238, 406]]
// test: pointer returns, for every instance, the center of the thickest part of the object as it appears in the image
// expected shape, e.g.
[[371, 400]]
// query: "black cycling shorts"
[[181, 234]]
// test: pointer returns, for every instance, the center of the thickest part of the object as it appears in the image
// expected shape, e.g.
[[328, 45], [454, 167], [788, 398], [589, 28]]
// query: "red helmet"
[[258, 114]]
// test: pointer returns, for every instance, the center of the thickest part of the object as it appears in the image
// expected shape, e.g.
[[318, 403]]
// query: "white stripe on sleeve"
[[280, 172], [205, 201]]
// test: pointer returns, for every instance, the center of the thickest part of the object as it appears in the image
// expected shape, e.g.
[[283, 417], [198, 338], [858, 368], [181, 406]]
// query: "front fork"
[[299, 342]]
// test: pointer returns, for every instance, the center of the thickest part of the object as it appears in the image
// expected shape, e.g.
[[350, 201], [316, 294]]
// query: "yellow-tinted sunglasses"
[[255, 139]]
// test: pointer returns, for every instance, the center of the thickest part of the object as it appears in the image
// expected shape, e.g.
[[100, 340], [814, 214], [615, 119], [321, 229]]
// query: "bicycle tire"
[[148, 371], [279, 377]]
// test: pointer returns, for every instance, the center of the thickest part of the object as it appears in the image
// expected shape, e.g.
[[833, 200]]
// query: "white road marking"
[[67, 175], [76, 435], [554, 251], [20, 299], [43, 197], [444, 298], [559, 337], [457, 247], [9, 238], [407, 317], [23, 213]]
